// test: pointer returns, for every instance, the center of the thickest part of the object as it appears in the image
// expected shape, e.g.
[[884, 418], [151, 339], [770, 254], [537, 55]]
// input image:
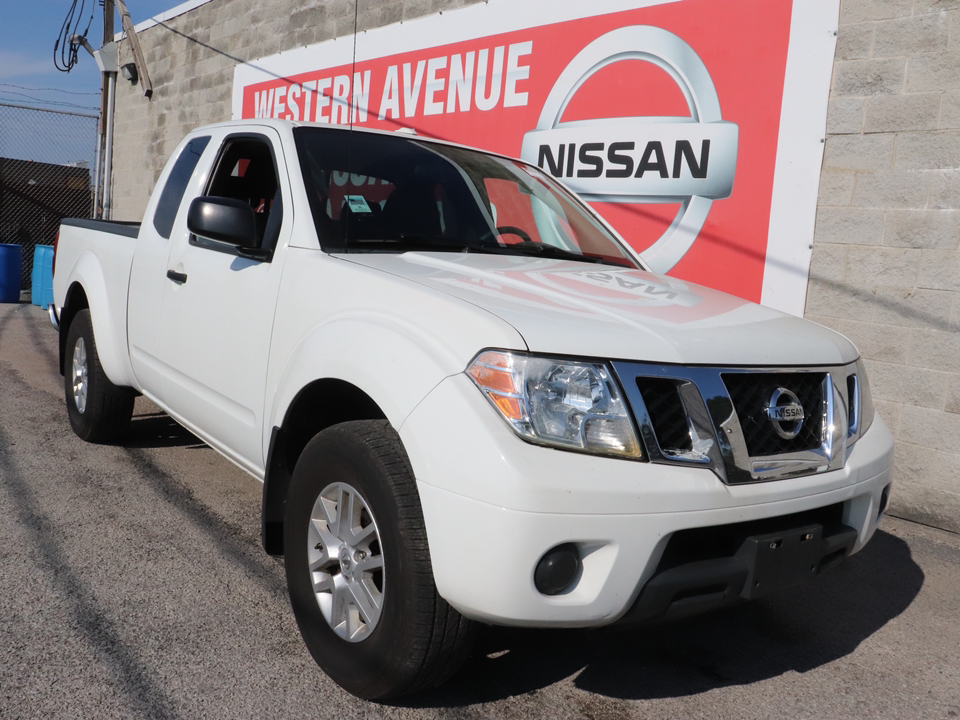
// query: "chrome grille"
[[751, 392], [723, 417]]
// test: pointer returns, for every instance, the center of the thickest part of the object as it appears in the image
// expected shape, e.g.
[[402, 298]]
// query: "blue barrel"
[[11, 263], [41, 278]]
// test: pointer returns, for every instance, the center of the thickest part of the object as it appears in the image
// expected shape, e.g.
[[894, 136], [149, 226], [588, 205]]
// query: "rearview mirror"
[[223, 219]]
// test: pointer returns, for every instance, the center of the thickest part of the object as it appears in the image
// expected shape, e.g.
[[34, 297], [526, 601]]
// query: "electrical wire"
[[64, 51], [45, 89], [41, 101]]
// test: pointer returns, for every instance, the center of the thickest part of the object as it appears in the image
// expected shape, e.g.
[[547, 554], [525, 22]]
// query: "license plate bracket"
[[780, 560]]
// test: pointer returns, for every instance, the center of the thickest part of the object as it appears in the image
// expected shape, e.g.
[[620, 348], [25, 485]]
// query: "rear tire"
[[358, 567], [99, 411]]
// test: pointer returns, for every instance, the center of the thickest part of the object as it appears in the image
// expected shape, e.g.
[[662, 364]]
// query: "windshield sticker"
[[357, 203]]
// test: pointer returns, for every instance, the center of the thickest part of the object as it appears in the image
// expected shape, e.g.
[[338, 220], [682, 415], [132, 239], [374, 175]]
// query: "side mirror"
[[223, 219]]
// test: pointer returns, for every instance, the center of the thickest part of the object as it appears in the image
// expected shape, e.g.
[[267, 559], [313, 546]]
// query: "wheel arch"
[[88, 288], [317, 406]]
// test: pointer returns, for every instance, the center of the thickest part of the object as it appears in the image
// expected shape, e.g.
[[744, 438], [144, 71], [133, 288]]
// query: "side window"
[[246, 171], [172, 194]]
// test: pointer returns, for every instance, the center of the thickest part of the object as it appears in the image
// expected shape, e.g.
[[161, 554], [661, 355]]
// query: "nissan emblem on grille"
[[785, 413]]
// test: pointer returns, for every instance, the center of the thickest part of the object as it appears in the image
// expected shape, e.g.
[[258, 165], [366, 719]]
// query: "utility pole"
[[107, 60], [101, 176], [108, 98]]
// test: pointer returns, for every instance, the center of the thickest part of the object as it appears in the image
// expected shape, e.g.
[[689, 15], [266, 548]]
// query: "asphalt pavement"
[[134, 586]]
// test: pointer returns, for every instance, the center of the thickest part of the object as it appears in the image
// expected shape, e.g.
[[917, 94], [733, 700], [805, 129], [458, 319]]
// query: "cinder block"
[[836, 188], [928, 151], [891, 190], [849, 226], [952, 396], [914, 386], [890, 412], [854, 41], [869, 77], [417, 8], [950, 110], [235, 24], [913, 35], [305, 17], [864, 153], [840, 300], [933, 73], [893, 113], [883, 266], [931, 428], [312, 34], [828, 262], [926, 486], [392, 13], [936, 6], [939, 270], [922, 228], [237, 8], [369, 20], [936, 350], [845, 116], [945, 190], [856, 11], [218, 32], [880, 343]]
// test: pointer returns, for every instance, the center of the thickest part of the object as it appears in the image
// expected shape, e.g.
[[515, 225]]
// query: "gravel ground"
[[134, 586]]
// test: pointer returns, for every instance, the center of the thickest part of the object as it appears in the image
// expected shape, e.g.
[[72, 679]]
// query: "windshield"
[[395, 193]]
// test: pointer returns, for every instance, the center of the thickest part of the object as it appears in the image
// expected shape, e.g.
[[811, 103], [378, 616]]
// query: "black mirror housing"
[[223, 219]]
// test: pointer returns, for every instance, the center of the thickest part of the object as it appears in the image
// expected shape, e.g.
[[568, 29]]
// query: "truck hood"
[[574, 308]]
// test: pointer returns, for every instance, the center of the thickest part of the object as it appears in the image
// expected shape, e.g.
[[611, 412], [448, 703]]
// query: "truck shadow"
[[797, 630], [159, 430]]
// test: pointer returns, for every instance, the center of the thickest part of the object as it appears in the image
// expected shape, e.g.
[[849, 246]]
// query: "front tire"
[[99, 411], [358, 567]]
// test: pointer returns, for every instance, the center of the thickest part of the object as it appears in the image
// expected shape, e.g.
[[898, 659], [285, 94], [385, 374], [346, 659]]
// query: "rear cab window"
[[172, 195]]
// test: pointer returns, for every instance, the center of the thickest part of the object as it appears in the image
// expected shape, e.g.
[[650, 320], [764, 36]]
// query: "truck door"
[[218, 305], [186, 177]]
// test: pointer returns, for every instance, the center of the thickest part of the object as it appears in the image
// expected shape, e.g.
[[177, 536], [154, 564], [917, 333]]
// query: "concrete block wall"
[[886, 264], [191, 59]]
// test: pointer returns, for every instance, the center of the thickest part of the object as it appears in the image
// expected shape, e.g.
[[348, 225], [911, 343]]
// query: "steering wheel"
[[512, 230]]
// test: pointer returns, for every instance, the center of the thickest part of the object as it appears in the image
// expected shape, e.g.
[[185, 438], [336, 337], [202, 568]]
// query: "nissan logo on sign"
[[691, 160]]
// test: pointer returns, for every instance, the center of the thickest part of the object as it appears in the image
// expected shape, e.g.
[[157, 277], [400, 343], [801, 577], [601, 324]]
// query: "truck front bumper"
[[494, 505]]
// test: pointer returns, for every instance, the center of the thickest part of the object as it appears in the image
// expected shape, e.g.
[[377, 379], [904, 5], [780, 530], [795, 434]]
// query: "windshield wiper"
[[404, 243], [413, 243], [530, 247]]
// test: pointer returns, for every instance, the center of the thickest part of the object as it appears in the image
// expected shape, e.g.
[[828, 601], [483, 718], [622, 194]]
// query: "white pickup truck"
[[467, 398]]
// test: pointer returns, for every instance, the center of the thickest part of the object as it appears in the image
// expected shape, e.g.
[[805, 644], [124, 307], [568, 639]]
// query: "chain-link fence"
[[46, 162]]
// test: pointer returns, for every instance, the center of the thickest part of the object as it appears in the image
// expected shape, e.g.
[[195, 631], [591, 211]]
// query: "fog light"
[[557, 569]]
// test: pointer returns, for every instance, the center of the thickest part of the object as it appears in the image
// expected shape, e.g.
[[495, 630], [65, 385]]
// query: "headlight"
[[567, 404]]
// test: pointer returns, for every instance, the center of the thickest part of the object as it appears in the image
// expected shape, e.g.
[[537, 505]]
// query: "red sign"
[[665, 118]]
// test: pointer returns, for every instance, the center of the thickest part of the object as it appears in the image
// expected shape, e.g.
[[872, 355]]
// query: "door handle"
[[177, 277]]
